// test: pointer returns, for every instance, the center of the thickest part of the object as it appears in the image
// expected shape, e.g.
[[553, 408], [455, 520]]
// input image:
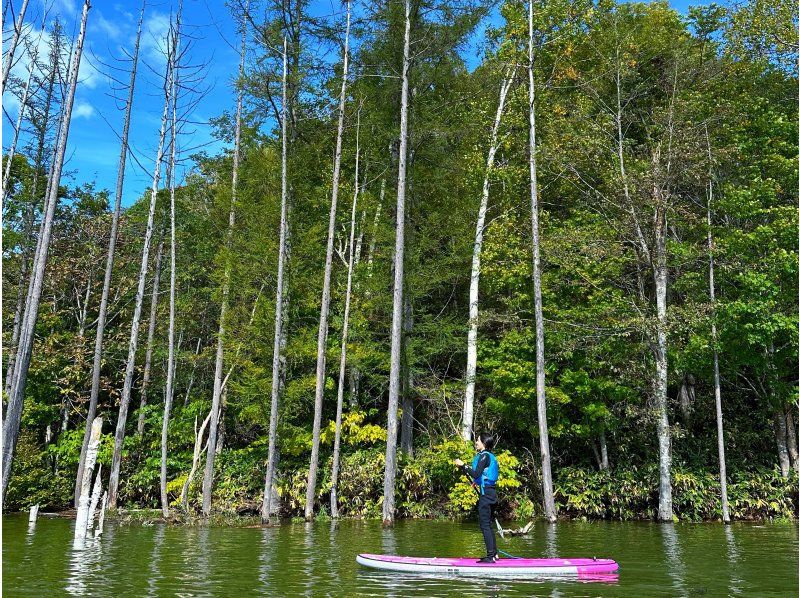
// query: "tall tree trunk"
[[322, 336], [660, 351], [151, 331], [211, 453], [124, 402], [779, 427], [266, 506], [390, 471], [20, 113], [603, 451], [723, 477], [16, 398], [541, 400], [23, 299], [112, 244], [345, 329], [407, 382], [12, 46], [472, 334], [791, 436], [175, 52]]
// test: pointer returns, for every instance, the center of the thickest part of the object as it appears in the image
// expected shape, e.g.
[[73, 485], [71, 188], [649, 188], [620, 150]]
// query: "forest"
[[584, 241]]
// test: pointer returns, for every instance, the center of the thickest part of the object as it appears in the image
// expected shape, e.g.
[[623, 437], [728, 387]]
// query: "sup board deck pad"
[[471, 566]]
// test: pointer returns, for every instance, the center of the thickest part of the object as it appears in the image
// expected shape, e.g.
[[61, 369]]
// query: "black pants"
[[485, 506]]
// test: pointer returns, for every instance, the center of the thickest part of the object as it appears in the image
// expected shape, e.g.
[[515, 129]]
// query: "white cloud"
[[154, 36], [82, 110]]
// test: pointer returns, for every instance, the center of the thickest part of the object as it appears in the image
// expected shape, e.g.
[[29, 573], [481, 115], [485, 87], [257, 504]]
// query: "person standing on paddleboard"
[[484, 474]]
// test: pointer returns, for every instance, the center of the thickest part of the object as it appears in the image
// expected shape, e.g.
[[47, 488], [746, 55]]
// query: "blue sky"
[[93, 148]]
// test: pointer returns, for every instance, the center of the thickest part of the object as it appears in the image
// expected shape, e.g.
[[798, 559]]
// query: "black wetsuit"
[[485, 504]]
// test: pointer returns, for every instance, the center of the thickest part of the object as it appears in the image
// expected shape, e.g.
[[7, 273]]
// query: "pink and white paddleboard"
[[503, 567]]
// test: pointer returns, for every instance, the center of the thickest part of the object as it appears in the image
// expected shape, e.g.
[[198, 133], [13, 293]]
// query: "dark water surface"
[[318, 559]]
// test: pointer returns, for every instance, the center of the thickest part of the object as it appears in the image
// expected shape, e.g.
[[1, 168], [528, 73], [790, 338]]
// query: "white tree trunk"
[[660, 353], [151, 331], [345, 330], [791, 436], [125, 399], [723, 477], [98, 488], [112, 244], [322, 336], [541, 400], [16, 398], [82, 519], [266, 506], [170, 390], [390, 471], [211, 453], [12, 46], [104, 503], [198, 449], [474, 279]]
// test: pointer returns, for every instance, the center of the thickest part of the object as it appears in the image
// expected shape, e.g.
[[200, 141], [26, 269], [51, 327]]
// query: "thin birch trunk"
[[345, 330], [12, 46], [112, 244], [791, 436], [603, 451], [198, 450], [660, 353], [390, 471], [176, 40], [541, 401], [723, 478], [151, 331], [20, 113], [407, 383], [16, 398], [779, 427], [322, 336], [86, 483], [373, 240], [472, 335], [191, 376], [125, 399], [266, 506], [211, 453], [23, 299]]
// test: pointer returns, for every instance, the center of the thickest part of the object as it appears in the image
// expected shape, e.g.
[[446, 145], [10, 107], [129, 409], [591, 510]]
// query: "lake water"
[[318, 559]]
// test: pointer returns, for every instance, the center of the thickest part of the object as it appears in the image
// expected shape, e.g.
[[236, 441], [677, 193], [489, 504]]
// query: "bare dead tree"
[[390, 471], [16, 398], [211, 453], [541, 400], [322, 336], [119, 435], [266, 505], [112, 245], [345, 329]]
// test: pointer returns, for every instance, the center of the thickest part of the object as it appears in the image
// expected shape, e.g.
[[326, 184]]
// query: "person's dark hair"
[[488, 440]]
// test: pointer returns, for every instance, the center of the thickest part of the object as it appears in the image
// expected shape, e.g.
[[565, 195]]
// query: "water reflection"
[[733, 560], [85, 560], [265, 556], [672, 550], [155, 561]]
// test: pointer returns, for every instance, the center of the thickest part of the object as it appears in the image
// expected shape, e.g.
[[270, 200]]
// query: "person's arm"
[[476, 473]]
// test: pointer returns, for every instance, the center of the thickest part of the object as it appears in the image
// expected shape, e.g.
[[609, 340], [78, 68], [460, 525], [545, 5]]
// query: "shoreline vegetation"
[[582, 239]]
